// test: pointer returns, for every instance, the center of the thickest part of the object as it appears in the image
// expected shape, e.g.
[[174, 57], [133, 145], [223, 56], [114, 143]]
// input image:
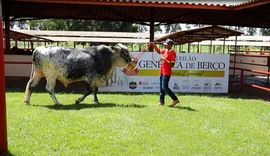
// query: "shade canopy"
[[250, 13], [200, 34], [19, 36]]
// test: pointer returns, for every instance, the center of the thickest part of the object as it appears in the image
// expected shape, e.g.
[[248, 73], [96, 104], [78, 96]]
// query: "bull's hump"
[[102, 47]]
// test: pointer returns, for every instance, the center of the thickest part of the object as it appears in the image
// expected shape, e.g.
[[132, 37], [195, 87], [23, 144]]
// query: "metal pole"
[[198, 47], [268, 64], [152, 27], [223, 45], [211, 46], [234, 60], [241, 81], [7, 33], [3, 119], [7, 36]]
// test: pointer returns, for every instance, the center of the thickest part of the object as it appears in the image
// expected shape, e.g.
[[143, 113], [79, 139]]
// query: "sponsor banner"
[[198, 73], [186, 73]]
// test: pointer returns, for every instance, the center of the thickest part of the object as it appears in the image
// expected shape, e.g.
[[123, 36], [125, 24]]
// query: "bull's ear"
[[116, 48], [113, 48]]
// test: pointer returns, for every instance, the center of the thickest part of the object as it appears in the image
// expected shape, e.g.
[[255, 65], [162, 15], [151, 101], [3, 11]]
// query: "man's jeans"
[[164, 88]]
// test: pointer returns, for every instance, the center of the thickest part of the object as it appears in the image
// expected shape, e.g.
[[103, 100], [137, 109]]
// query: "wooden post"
[[4, 7], [32, 45], [198, 48], [241, 80], [7, 35], [152, 27], [234, 59], [223, 49], [210, 48], [268, 69], [3, 119]]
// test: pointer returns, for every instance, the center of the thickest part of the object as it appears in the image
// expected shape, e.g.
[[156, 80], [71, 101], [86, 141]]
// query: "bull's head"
[[123, 53]]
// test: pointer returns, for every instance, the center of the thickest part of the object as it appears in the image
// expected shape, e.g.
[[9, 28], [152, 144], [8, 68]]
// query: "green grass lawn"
[[131, 124]]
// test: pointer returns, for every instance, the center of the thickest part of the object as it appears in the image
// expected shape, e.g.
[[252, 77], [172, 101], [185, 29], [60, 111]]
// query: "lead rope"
[[142, 52], [153, 57]]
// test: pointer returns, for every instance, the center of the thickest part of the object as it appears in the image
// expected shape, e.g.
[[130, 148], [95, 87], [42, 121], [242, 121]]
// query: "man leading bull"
[[168, 61]]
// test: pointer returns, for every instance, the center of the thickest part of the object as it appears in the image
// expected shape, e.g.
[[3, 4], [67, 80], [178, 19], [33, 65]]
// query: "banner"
[[193, 73]]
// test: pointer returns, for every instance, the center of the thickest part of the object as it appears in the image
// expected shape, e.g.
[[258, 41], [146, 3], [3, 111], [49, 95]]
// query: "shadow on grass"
[[234, 93], [85, 106], [6, 154], [185, 108], [18, 85]]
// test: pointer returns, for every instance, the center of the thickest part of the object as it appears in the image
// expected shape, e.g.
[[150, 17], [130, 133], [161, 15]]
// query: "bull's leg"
[[95, 90], [50, 88], [88, 92], [33, 82]]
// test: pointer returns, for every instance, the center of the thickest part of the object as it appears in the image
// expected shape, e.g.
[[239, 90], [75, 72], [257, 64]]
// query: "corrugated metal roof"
[[237, 13], [197, 2]]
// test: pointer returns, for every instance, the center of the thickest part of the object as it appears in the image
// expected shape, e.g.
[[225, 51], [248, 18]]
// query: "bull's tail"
[[33, 66], [28, 89], [32, 71]]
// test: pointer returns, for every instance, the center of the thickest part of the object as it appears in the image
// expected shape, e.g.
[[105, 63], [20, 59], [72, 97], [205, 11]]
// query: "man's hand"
[[171, 63], [149, 44], [163, 58], [153, 44]]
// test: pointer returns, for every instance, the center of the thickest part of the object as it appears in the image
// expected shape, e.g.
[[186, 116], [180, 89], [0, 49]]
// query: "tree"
[[251, 31], [188, 26], [265, 31], [172, 28], [141, 28], [18, 24], [157, 29], [82, 25]]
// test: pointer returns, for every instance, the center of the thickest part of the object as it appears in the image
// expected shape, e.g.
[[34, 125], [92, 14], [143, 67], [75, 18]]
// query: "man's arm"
[[171, 63], [154, 45]]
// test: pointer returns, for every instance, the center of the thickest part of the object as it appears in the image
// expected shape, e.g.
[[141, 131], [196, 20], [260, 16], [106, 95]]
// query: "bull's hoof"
[[96, 101], [26, 102], [77, 101]]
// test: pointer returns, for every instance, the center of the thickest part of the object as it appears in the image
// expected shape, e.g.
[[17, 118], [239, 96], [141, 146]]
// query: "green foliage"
[[265, 31], [172, 28], [131, 124], [19, 24], [158, 29], [83, 25], [251, 31]]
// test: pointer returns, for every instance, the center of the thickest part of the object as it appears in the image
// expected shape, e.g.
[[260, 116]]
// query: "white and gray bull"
[[93, 65]]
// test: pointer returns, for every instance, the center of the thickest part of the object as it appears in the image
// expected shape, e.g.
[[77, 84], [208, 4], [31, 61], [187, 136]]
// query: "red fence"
[[247, 52], [242, 83], [252, 63]]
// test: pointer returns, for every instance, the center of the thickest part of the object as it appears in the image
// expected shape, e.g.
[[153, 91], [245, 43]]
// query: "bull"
[[94, 65]]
